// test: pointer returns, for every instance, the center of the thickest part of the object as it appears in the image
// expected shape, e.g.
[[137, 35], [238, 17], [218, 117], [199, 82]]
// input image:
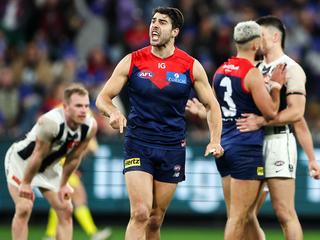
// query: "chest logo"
[[145, 74], [176, 77], [162, 65]]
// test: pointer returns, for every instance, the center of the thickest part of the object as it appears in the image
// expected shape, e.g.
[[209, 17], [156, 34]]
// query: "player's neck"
[[246, 55], [163, 52], [273, 55], [70, 123]]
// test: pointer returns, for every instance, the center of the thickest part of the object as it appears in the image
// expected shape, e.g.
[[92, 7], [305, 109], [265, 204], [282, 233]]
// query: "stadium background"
[[45, 44]]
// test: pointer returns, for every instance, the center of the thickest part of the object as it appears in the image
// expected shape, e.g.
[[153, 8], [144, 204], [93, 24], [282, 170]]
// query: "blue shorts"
[[242, 162], [165, 165]]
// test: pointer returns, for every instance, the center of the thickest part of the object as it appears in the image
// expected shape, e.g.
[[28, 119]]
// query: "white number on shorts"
[[231, 111]]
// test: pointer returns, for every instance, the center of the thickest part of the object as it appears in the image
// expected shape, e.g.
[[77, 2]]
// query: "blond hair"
[[74, 88]]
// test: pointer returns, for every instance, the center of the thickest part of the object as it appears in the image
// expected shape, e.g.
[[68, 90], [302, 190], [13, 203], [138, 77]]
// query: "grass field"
[[168, 233]]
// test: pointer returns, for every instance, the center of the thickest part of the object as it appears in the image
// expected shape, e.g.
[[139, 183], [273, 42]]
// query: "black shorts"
[[242, 162], [165, 165]]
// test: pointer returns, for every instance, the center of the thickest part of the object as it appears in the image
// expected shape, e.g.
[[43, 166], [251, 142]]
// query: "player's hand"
[[65, 193], [25, 191], [279, 74], [193, 106], [117, 120], [314, 170], [215, 149], [249, 122]]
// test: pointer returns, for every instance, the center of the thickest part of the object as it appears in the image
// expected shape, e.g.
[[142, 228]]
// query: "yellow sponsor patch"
[[132, 162], [260, 171]]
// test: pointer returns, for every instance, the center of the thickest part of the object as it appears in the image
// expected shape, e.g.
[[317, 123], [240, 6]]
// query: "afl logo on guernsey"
[[145, 74], [176, 77]]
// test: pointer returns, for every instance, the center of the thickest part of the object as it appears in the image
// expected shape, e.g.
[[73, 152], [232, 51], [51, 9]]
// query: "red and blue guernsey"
[[158, 92], [234, 100]]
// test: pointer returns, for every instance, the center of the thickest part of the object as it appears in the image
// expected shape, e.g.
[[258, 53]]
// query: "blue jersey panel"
[[234, 101], [158, 95]]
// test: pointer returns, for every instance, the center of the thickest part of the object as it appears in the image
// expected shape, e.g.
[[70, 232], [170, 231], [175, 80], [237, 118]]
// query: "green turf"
[[168, 233]]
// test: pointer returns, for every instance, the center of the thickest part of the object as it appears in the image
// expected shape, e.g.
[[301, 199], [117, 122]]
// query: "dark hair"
[[274, 22], [174, 14], [74, 88]]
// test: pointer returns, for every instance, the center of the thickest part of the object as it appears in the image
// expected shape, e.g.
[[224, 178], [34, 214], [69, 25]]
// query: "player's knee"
[[24, 209], [251, 217], [141, 214], [155, 223], [65, 215], [284, 213], [239, 220]]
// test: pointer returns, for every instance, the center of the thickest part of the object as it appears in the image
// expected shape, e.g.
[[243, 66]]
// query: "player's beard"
[[162, 43], [259, 55]]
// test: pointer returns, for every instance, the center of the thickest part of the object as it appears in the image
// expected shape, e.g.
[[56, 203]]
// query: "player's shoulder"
[[292, 66], [235, 66], [291, 63], [184, 56], [141, 53], [54, 115], [50, 122]]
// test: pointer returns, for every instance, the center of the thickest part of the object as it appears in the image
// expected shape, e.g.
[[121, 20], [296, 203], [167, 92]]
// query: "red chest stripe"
[[155, 68]]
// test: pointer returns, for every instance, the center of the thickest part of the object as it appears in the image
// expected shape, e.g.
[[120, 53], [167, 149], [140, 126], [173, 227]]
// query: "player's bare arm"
[[294, 111], [211, 104], [267, 103], [111, 89], [304, 137], [42, 148]]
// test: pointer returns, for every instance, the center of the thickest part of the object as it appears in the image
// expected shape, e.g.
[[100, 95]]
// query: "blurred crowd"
[[46, 44]]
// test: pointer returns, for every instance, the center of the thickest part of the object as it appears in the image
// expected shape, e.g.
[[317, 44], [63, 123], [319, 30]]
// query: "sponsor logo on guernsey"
[[132, 162], [230, 67], [177, 77], [72, 144], [162, 65], [145, 74], [260, 171]]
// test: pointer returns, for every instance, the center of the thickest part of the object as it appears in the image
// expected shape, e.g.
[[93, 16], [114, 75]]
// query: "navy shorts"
[[165, 165], [242, 162]]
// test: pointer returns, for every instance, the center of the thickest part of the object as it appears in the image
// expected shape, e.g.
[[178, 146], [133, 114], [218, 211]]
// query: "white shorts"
[[15, 167], [280, 152]]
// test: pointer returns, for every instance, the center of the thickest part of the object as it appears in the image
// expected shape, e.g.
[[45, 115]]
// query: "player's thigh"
[[14, 192], [226, 191], [53, 199], [282, 191], [262, 197], [163, 193], [243, 195], [21, 204], [140, 188]]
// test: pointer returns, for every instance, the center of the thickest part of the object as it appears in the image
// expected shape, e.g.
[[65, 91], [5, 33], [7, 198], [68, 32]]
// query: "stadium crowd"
[[45, 44]]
